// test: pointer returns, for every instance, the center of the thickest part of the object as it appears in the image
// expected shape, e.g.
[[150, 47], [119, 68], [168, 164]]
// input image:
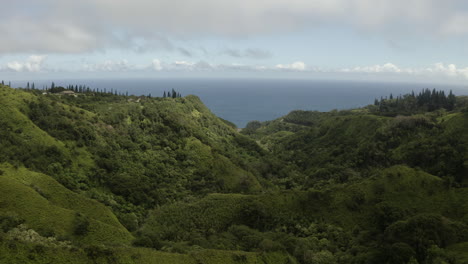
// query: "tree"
[[451, 100], [164, 95]]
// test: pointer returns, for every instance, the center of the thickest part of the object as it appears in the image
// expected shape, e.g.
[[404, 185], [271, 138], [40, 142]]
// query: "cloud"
[[385, 68], [248, 53], [109, 66], [57, 26], [33, 64], [456, 25], [156, 65], [450, 70], [233, 53], [183, 64], [434, 70], [185, 52], [296, 66]]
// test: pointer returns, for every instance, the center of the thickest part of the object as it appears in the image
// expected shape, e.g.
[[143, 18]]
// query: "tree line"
[[84, 89], [426, 100], [172, 94]]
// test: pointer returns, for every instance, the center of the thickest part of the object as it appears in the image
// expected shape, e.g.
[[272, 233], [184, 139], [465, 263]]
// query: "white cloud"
[[156, 65], [434, 70], [296, 66], [386, 68], [450, 70], [33, 64], [110, 66], [182, 65]]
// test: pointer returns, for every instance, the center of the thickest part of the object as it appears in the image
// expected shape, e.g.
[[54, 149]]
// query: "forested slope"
[[103, 178]]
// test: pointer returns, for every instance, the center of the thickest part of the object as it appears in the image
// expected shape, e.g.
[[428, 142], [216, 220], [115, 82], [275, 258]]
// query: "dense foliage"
[[425, 101], [101, 177]]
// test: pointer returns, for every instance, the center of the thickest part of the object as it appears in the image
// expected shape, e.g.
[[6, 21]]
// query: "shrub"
[[9, 221], [81, 225]]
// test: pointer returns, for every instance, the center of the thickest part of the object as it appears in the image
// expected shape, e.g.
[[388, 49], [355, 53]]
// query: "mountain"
[[93, 177]]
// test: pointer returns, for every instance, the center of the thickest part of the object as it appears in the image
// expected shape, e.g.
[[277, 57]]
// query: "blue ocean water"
[[244, 100]]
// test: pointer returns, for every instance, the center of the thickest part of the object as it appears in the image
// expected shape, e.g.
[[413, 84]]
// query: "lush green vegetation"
[[101, 177]]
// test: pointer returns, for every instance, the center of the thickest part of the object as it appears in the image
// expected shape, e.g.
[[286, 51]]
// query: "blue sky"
[[386, 40]]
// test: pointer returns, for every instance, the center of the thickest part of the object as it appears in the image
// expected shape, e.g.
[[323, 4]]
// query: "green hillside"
[[47, 207], [344, 219], [104, 178]]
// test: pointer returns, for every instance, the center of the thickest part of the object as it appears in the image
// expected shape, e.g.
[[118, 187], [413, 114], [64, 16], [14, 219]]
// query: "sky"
[[383, 40]]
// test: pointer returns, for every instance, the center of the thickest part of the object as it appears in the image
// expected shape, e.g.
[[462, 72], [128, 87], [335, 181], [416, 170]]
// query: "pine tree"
[[451, 100], [27, 86], [33, 86]]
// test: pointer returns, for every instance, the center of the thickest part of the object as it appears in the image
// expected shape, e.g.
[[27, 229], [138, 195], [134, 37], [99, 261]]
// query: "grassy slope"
[[48, 207]]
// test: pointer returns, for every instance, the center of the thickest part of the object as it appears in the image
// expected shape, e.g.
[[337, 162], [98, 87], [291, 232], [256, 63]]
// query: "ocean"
[[244, 100]]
